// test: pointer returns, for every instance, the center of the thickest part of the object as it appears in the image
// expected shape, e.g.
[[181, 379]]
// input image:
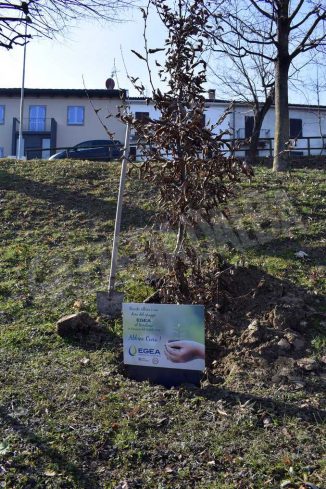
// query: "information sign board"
[[164, 335]]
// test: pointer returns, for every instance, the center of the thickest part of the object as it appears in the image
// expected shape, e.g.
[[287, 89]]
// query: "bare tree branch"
[[49, 17]]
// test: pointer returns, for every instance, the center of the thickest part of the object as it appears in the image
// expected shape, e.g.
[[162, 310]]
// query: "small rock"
[[301, 254], [79, 323], [284, 344], [252, 335], [323, 359], [308, 364], [84, 361], [267, 421]]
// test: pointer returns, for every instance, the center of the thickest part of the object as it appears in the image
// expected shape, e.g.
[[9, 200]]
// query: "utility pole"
[[21, 110]]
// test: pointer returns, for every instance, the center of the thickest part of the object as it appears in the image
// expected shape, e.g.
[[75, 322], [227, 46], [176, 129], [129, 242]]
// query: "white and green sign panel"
[[164, 335]]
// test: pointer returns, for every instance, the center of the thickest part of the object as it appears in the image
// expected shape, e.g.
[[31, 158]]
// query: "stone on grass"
[[284, 344], [80, 323]]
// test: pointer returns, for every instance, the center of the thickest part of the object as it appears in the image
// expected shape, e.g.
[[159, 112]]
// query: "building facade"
[[57, 119]]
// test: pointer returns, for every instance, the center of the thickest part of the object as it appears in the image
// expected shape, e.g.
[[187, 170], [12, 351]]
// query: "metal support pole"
[[21, 111], [114, 256]]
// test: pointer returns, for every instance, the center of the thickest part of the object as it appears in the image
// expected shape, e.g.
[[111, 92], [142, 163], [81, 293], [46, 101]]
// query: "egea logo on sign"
[[132, 351], [149, 351]]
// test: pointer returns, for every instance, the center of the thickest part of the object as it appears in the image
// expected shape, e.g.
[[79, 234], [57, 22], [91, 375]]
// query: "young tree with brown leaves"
[[182, 157]]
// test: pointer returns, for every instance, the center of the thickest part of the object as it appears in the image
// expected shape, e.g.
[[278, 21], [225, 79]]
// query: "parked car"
[[94, 150]]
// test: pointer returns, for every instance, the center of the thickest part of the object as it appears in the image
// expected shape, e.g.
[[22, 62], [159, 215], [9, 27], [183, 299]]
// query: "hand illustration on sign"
[[182, 351]]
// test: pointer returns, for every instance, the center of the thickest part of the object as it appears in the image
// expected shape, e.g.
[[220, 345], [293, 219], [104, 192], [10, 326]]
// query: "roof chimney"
[[211, 94]]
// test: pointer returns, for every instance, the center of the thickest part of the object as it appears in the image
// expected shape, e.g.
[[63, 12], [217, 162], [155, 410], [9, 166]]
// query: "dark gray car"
[[94, 150]]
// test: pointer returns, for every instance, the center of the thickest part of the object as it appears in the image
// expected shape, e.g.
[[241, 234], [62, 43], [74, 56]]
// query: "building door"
[[33, 146], [46, 144]]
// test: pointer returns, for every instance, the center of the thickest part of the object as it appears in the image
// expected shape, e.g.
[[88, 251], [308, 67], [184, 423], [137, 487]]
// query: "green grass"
[[68, 416]]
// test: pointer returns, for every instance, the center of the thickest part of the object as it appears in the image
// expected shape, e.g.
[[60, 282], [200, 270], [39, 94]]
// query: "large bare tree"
[[248, 79], [289, 29], [48, 17]]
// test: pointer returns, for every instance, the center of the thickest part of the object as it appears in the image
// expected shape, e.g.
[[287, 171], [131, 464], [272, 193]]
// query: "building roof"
[[62, 92], [104, 93]]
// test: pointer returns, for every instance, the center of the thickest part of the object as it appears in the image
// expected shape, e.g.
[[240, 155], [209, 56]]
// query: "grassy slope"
[[68, 418]]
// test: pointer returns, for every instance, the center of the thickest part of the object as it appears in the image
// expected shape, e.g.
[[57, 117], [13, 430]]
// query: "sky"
[[89, 50], [93, 50]]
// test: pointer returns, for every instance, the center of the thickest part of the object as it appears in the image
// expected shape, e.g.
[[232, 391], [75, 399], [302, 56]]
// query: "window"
[[75, 115], [142, 116], [249, 126], [37, 117], [295, 128], [2, 114]]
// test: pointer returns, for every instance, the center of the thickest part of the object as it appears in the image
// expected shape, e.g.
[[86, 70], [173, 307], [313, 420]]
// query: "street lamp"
[[21, 110]]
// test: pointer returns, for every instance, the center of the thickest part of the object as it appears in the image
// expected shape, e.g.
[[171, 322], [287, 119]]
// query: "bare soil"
[[258, 326]]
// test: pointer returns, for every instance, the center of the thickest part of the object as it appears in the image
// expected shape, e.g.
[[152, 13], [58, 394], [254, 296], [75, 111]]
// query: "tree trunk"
[[259, 115], [254, 139], [281, 137], [282, 64]]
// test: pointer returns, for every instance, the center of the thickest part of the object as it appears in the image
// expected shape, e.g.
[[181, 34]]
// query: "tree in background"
[[288, 29], [48, 17], [249, 79]]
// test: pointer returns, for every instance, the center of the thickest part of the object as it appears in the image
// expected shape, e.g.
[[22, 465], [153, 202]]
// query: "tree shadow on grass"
[[285, 247], [53, 455], [269, 404], [105, 340], [94, 208]]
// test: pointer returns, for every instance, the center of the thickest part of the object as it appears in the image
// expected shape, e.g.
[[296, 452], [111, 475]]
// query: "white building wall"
[[313, 126], [11, 110], [141, 106]]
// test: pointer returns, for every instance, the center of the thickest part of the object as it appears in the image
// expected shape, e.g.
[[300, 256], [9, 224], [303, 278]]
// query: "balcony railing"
[[241, 133], [35, 124], [304, 146]]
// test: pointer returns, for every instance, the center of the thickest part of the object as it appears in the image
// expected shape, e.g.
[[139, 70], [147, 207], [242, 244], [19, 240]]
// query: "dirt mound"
[[256, 323], [264, 325]]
